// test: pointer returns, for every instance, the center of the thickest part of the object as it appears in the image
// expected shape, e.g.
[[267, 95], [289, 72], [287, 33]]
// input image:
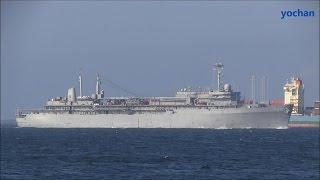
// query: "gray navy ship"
[[217, 109]]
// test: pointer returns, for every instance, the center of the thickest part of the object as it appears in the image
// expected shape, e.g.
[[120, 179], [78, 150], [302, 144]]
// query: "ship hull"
[[180, 118], [304, 121]]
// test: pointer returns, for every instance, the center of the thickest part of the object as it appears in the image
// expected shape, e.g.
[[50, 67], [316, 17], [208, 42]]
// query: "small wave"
[[223, 127], [165, 157], [281, 127]]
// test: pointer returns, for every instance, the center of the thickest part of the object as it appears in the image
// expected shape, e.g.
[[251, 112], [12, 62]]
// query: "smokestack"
[[71, 95]]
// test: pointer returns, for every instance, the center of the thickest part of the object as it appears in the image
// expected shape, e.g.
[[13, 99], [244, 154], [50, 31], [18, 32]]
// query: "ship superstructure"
[[294, 94], [220, 108], [301, 117]]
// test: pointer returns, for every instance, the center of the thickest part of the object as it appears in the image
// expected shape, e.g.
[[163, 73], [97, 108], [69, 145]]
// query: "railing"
[[22, 113]]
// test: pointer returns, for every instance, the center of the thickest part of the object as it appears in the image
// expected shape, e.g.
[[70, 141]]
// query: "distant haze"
[[152, 48]]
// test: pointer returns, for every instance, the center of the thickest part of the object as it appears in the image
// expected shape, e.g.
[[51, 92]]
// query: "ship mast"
[[218, 67], [99, 90], [98, 85], [80, 83]]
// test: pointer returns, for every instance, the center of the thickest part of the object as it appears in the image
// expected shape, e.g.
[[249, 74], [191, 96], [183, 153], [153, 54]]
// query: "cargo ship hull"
[[304, 121], [179, 118]]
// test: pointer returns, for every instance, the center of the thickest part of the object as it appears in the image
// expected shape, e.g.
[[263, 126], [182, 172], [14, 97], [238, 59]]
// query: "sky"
[[153, 48]]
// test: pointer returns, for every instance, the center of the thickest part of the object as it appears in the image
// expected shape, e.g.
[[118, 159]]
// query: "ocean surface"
[[30, 153]]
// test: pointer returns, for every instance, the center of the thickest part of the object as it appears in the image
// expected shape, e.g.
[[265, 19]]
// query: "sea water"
[[31, 153]]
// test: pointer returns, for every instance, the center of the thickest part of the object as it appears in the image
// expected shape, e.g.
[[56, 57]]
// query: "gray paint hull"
[[180, 118]]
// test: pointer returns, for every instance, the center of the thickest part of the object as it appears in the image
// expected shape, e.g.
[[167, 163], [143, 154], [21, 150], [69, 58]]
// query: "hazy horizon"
[[152, 48]]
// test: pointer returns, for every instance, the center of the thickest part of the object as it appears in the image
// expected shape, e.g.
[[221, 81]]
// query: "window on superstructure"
[[294, 91]]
